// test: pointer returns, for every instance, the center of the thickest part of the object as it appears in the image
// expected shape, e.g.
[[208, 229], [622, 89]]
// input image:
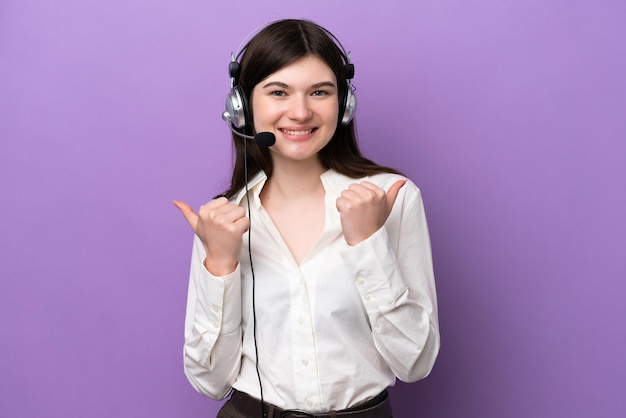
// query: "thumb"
[[392, 193], [188, 213]]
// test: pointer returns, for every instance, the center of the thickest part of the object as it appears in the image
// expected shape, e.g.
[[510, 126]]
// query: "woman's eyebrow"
[[324, 84], [276, 84]]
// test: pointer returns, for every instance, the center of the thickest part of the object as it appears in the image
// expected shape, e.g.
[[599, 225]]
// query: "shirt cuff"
[[219, 301]]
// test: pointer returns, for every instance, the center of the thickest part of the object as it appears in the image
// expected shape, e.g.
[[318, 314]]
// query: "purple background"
[[510, 115]]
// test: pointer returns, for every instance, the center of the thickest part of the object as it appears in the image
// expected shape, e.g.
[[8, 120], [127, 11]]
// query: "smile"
[[296, 133]]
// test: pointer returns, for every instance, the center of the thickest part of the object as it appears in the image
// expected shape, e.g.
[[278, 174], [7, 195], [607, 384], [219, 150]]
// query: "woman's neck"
[[295, 179]]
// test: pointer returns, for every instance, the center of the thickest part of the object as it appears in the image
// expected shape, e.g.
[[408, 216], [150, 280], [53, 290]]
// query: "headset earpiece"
[[236, 102], [236, 108], [349, 108]]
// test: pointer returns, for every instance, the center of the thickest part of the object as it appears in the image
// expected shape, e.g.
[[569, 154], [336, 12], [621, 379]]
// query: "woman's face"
[[299, 104]]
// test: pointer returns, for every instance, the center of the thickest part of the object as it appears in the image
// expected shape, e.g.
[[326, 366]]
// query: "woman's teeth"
[[295, 133]]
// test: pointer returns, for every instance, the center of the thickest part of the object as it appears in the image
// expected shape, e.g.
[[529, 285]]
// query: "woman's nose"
[[300, 109]]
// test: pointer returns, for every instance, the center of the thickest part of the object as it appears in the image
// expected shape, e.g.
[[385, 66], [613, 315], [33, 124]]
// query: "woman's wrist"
[[220, 267]]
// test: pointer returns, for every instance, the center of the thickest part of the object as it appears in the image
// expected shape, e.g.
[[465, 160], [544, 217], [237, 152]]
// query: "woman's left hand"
[[364, 208]]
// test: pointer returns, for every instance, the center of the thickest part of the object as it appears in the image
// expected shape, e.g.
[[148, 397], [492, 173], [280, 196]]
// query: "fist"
[[220, 225], [364, 208]]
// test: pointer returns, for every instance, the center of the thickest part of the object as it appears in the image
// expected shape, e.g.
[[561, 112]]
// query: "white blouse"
[[332, 332]]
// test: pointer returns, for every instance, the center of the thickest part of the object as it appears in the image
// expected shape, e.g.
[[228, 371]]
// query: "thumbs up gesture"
[[220, 225], [364, 208]]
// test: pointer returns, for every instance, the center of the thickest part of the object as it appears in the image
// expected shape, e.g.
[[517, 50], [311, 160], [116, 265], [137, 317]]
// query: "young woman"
[[311, 287]]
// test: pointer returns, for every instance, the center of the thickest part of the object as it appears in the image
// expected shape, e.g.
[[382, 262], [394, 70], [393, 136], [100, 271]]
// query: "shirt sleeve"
[[213, 336], [393, 273]]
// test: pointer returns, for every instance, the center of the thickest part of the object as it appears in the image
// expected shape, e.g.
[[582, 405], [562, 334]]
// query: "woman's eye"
[[278, 93], [319, 93]]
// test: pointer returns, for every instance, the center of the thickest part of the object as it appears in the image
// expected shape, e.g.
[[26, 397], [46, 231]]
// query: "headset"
[[237, 113]]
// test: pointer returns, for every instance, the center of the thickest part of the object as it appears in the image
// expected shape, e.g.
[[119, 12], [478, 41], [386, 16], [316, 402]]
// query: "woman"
[[317, 292]]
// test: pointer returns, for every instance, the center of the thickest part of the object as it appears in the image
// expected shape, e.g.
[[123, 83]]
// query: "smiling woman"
[[329, 297]]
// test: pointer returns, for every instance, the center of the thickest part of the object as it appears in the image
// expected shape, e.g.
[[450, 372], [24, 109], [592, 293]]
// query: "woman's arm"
[[212, 349], [393, 272]]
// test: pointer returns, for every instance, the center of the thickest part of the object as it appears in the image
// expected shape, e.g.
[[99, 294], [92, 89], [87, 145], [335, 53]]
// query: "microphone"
[[262, 139]]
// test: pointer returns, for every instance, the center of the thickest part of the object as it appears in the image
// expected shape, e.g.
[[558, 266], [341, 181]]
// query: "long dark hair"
[[277, 45]]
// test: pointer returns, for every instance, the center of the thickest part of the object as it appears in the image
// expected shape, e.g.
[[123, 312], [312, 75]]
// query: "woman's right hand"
[[220, 225]]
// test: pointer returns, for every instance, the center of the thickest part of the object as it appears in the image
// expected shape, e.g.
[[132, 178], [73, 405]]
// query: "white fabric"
[[332, 332]]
